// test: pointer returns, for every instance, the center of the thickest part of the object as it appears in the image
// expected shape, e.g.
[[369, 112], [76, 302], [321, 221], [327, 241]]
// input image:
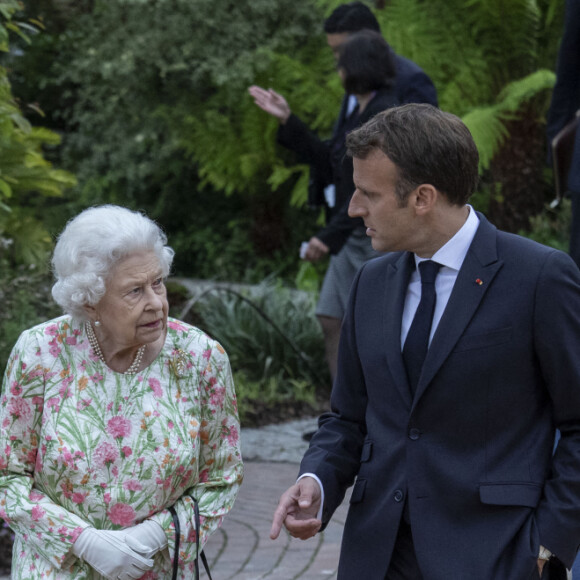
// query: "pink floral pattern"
[[81, 445]]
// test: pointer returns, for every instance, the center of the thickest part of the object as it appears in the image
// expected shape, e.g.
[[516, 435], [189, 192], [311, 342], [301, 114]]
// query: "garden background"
[[144, 103]]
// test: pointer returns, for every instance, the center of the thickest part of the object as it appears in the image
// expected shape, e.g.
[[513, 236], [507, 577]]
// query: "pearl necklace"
[[133, 368]]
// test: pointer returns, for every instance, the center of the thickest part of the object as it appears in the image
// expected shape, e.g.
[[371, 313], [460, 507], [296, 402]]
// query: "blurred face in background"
[[334, 41]]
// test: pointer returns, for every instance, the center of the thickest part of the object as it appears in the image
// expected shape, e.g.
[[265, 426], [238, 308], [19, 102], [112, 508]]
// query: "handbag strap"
[[202, 553], [177, 536]]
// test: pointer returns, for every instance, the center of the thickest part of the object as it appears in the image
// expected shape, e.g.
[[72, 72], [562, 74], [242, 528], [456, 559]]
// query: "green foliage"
[[26, 301], [24, 170], [552, 227], [488, 124], [256, 398], [158, 118], [270, 333], [168, 89]]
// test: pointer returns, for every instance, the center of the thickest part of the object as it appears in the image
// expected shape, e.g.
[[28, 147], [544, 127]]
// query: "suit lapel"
[[396, 283], [476, 275]]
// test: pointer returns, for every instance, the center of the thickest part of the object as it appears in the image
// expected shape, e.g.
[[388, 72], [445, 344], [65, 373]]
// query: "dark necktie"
[[417, 342]]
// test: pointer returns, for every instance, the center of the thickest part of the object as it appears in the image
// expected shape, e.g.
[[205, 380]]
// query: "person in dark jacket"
[[410, 85], [367, 71], [565, 104]]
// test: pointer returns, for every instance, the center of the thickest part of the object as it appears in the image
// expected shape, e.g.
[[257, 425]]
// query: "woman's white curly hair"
[[90, 246]]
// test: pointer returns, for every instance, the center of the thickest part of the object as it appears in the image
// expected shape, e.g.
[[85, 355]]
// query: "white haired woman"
[[114, 417]]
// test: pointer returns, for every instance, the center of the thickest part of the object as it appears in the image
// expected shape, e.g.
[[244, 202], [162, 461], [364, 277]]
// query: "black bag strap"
[[177, 535], [202, 553]]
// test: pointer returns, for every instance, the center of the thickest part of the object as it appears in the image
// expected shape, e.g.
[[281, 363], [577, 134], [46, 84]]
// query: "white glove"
[[110, 556], [149, 534]]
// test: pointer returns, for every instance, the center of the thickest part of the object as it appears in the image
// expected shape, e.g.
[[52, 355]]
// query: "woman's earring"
[[97, 323]]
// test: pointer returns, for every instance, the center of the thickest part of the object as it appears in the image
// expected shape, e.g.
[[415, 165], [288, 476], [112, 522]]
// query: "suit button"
[[414, 434], [399, 495]]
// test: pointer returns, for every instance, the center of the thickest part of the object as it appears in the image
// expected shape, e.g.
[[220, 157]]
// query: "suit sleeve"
[[557, 336], [297, 137], [339, 228], [335, 449]]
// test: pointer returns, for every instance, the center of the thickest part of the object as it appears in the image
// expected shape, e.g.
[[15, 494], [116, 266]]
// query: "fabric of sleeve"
[[335, 448], [220, 462], [557, 334], [297, 137], [45, 525]]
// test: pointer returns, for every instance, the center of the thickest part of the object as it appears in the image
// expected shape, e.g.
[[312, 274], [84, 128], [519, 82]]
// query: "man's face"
[[390, 225], [334, 40]]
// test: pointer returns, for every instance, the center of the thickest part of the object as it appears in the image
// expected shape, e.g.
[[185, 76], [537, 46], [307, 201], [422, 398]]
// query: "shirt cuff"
[[317, 479]]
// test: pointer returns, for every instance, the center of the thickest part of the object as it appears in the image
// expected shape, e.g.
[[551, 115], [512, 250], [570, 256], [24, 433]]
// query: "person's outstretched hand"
[[271, 102], [297, 510]]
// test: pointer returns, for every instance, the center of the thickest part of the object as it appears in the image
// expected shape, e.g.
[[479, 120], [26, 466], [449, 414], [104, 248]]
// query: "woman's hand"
[[110, 556], [271, 102], [149, 534]]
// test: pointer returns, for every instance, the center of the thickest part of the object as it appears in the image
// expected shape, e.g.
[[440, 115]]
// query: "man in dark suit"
[[565, 103], [450, 388]]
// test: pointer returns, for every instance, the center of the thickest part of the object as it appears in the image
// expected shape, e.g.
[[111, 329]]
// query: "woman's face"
[[134, 309]]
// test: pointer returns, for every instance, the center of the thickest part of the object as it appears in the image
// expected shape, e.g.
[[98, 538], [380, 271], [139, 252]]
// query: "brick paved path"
[[242, 548]]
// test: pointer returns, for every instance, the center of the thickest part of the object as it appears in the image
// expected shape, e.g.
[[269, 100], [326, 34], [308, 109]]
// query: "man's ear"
[[424, 198]]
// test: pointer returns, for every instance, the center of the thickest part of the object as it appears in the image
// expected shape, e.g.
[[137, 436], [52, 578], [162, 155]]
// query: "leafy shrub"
[[26, 301], [25, 173], [552, 226], [273, 340]]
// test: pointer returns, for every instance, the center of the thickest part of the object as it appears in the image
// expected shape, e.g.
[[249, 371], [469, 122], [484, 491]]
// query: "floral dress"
[[82, 445]]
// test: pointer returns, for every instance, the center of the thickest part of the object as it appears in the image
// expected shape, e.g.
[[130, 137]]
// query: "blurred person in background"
[[367, 71], [408, 83]]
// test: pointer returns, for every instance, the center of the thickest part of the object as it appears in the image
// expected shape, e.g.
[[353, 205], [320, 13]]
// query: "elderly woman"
[[115, 419]]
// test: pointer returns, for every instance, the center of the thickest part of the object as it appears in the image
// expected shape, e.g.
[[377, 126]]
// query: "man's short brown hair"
[[427, 145]]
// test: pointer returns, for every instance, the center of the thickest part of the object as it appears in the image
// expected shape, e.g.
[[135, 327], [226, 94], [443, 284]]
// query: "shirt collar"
[[453, 252]]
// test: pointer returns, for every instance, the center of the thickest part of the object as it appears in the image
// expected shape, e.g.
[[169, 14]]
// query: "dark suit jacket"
[[329, 160], [566, 95], [472, 453]]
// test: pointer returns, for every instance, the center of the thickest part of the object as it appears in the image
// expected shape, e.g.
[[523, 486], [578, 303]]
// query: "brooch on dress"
[[178, 363]]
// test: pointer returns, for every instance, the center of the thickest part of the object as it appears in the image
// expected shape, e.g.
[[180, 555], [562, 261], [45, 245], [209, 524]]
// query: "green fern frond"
[[487, 127], [518, 92]]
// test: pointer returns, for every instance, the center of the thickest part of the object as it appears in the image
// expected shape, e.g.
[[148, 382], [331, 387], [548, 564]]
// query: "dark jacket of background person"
[[565, 103], [566, 95], [328, 159]]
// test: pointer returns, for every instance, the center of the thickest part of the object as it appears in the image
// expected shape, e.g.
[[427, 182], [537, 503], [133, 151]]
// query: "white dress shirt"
[[450, 256]]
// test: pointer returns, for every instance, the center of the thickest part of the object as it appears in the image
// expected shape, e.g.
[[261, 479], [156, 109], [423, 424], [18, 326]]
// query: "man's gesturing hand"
[[297, 510]]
